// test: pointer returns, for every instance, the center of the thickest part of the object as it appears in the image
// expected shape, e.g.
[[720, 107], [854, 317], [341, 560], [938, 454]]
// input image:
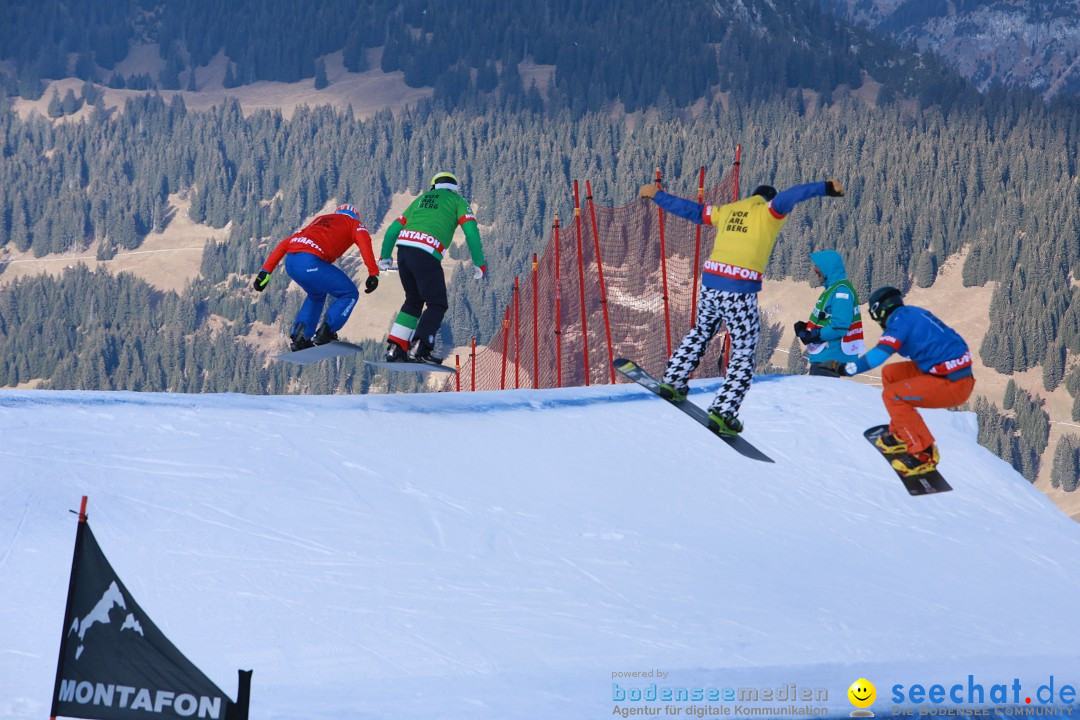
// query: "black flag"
[[114, 662]]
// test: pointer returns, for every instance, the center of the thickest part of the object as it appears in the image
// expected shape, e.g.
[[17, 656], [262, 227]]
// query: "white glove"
[[851, 369], [385, 263], [479, 272]]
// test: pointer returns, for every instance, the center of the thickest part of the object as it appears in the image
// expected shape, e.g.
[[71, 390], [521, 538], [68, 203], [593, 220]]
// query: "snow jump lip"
[[439, 403]]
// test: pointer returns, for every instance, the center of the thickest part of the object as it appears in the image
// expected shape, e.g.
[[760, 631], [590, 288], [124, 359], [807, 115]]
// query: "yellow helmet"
[[443, 177]]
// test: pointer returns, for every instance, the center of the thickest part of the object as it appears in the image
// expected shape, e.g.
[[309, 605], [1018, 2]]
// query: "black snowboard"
[[925, 484], [633, 371], [416, 367], [336, 348]]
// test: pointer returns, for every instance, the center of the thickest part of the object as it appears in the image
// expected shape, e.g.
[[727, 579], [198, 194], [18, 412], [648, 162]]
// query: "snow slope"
[[502, 555]]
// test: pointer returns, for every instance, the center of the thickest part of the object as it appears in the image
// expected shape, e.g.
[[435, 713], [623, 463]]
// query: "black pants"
[[824, 370], [425, 290]]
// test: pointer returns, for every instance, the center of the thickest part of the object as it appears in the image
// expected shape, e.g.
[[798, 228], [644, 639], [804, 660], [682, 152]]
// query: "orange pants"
[[905, 387]]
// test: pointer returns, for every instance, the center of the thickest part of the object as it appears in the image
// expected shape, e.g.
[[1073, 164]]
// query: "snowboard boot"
[[299, 341], [323, 335], [918, 463], [395, 354], [889, 444], [422, 353], [727, 425], [671, 393]]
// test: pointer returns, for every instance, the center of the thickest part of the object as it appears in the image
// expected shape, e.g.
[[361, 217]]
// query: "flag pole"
[[243, 695], [67, 607]]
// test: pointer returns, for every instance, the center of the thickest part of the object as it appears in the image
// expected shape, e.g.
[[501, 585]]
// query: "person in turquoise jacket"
[[833, 334]]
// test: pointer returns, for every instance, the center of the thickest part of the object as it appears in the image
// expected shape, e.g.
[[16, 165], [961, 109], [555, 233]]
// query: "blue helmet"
[[349, 210]]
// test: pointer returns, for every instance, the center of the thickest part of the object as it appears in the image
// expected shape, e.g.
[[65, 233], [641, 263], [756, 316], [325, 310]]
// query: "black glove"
[[833, 188], [841, 369], [370, 284], [807, 337], [262, 280]]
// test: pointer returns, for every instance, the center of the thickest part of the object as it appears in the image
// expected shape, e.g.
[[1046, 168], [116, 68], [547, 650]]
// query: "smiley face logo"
[[862, 693]]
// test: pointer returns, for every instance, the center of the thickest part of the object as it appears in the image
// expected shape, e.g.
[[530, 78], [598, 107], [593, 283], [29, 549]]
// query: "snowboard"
[[337, 348], [632, 371], [416, 367], [926, 484]]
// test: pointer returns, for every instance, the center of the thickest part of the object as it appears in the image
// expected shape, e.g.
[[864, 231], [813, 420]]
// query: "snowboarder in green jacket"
[[422, 236]]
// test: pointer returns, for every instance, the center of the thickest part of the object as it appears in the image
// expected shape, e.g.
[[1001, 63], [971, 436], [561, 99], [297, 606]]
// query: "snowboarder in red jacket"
[[309, 255]]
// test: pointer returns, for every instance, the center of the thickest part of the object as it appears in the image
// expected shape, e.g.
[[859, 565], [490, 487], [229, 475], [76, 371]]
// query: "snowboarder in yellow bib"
[[746, 231], [422, 235]]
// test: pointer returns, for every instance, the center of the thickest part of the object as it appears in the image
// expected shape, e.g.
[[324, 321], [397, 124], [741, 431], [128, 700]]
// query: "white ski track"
[[500, 555]]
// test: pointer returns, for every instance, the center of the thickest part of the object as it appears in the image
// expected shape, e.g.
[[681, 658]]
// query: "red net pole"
[[581, 285], [603, 288], [536, 325], [725, 356], [517, 334], [663, 270], [633, 299], [472, 363], [506, 342], [457, 373], [558, 308], [697, 245], [738, 163]]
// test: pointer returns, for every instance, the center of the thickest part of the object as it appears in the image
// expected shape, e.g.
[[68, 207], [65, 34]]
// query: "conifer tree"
[[90, 93], [31, 86], [230, 80], [1054, 366], [1065, 472], [1009, 399], [55, 109], [70, 104], [797, 363]]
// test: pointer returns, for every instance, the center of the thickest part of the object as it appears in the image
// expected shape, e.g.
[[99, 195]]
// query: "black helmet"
[[883, 302], [766, 191]]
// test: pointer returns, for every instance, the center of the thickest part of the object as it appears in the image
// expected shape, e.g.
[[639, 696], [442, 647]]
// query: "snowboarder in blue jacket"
[[937, 375]]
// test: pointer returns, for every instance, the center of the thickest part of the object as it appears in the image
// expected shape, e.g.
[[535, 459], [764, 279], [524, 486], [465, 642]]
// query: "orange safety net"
[[609, 262]]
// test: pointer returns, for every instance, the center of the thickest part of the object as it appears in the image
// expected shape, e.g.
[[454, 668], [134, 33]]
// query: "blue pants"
[[318, 279]]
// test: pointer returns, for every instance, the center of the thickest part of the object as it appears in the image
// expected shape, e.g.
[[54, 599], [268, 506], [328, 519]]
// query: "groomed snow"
[[501, 555]]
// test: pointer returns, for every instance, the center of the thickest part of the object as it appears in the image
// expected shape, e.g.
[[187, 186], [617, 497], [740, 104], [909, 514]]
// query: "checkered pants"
[[739, 311]]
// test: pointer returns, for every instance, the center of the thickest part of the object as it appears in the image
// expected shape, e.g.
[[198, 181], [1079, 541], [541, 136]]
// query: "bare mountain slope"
[[1034, 45]]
